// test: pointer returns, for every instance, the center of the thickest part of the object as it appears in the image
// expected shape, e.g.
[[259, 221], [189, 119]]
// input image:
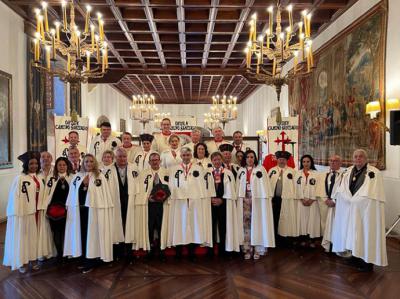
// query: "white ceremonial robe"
[[364, 230], [167, 159], [99, 242], [98, 146], [112, 180], [131, 152], [43, 177], [308, 217], [141, 159], [160, 142], [205, 162], [287, 226], [327, 213], [188, 199], [145, 183], [25, 239], [262, 222], [190, 145], [213, 146], [232, 241]]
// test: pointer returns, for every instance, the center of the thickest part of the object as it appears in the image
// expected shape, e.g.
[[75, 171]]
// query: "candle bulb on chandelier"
[[48, 49], [271, 18], [37, 12], [105, 54], [309, 24], [309, 43], [46, 20], [290, 9], [41, 28], [92, 36], [64, 11], [261, 40], [301, 37], [87, 18], [37, 37], [88, 61], [103, 62], [304, 14], [288, 32], [97, 48], [57, 24], [53, 42], [308, 60], [78, 44]]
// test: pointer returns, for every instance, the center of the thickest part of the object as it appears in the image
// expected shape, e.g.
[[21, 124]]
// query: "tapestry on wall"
[[37, 104], [330, 102]]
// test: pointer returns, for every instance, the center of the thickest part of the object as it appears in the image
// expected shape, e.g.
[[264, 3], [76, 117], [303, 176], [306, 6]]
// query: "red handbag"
[[56, 212]]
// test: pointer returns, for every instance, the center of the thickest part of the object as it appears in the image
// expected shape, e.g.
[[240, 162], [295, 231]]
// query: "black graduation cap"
[[226, 147], [283, 154], [25, 157], [146, 137]]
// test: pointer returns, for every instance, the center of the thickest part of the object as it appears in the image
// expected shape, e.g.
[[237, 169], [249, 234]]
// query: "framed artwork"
[[330, 102], [122, 125], [5, 120]]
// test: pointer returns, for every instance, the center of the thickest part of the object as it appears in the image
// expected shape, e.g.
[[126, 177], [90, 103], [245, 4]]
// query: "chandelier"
[[278, 45], [210, 122], [143, 108], [85, 51], [223, 109], [158, 117]]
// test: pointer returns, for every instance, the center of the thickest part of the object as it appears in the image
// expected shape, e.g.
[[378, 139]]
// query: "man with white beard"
[[359, 224]]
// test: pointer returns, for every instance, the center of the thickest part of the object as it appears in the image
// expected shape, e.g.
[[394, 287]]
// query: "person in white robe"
[[160, 142], [238, 145], [256, 224], [308, 216], [224, 211], [103, 142], [107, 160], [28, 236], [201, 155], [121, 178], [190, 211], [142, 156], [329, 180], [359, 223], [46, 166], [152, 206], [130, 149], [213, 145], [284, 201], [89, 227], [226, 151], [172, 156], [55, 197], [195, 136]]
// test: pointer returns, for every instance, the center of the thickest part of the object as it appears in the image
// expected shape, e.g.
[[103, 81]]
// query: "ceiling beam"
[[237, 85], [153, 28], [143, 85], [238, 29], [210, 29], [190, 86], [154, 87], [201, 82], [180, 13], [136, 90], [163, 86], [209, 85], [125, 29], [173, 87], [227, 85], [183, 92], [219, 84]]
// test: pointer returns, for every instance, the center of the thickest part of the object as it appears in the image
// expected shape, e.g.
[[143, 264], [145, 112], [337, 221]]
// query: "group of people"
[[119, 197]]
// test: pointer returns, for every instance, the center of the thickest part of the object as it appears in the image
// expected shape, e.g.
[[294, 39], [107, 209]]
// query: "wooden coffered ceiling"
[[182, 51]]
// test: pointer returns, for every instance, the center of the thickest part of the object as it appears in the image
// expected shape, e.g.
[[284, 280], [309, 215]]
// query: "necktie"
[[156, 179], [279, 185], [332, 183]]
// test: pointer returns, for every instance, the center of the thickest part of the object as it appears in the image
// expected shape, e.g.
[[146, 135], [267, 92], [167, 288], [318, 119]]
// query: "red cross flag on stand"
[[282, 136]]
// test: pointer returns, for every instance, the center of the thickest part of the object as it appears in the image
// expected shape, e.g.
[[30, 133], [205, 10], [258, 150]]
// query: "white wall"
[[102, 99], [13, 61], [267, 98]]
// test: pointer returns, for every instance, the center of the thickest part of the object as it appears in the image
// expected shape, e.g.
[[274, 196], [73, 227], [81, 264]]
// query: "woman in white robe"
[[28, 236], [130, 149], [201, 155], [172, 156], [89, 227], [256, 222], [308, 216], [107, 160], [55, 197]]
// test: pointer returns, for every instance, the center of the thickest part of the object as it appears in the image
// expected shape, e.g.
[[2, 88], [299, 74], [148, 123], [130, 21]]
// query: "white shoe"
[[256, 256], [22, 270], [247, 256], [345, 254]]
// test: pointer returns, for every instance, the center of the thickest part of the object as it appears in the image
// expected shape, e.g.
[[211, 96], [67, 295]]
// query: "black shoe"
[[87, 270], [365, 267], [162, 257], [192, 258]]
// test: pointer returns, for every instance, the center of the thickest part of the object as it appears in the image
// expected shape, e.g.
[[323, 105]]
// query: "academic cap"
[[25, 157]]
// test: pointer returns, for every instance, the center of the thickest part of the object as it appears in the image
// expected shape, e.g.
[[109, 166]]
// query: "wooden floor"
[[281, 274]]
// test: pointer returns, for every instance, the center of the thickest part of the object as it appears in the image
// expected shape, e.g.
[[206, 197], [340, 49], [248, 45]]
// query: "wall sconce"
[[393, 104], [373, 108]]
